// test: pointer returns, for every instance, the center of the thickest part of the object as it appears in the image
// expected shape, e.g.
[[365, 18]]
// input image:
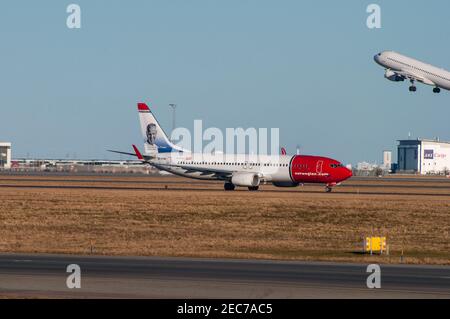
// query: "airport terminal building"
[[5, 155], [423, 156]]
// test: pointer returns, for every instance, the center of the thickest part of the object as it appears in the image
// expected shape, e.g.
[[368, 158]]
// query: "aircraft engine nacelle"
[[285, 184], [392, 76], [245, 179]]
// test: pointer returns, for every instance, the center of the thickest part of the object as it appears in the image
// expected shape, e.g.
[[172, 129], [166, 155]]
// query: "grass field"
[[168, 216]]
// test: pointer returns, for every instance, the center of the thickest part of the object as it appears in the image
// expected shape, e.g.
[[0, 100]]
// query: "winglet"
[[142, 107], [138, 154], [283, 151]]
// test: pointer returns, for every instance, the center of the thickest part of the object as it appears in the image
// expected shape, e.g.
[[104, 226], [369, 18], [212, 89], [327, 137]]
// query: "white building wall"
[[435, 157], [6, 148], [387, 159]]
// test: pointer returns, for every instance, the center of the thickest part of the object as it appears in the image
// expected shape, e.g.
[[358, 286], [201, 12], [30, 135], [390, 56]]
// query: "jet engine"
[[246, 179], [392, 76], [285, 184]]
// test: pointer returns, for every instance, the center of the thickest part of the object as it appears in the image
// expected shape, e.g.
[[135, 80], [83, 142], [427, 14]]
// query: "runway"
[[30, 275], [404, 186], [198, 189]]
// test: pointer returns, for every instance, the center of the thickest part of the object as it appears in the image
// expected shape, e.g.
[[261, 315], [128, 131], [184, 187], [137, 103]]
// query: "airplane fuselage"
[[400, 67], [284, 170]]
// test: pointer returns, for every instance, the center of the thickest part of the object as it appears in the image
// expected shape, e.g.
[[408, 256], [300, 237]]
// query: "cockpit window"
[[336, 165]]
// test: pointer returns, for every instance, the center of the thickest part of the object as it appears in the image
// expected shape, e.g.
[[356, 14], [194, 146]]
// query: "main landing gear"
[[436, 90], [229, 186], [412, 88]]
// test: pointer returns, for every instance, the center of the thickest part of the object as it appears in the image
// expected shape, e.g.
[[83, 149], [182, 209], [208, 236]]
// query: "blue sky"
[[303, 66]]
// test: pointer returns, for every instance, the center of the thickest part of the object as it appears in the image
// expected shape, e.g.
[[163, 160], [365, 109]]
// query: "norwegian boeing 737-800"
[[234, 169], [400, 67]]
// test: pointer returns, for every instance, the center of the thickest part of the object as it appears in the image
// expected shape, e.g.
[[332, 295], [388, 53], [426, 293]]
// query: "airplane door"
[[319, 167]]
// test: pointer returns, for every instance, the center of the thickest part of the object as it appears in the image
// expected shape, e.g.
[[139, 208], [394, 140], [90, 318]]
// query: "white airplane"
[[400, 67], [233, 169]]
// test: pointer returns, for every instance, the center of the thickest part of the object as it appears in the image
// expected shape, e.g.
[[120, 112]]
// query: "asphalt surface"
[[198, 189], [30, 276], [376, 185], [184, 181], [387, 178]]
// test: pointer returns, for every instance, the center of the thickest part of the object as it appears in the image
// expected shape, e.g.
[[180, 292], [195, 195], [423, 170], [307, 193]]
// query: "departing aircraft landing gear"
[[253, 188], [436, 90], [412, 88], [229, 186]]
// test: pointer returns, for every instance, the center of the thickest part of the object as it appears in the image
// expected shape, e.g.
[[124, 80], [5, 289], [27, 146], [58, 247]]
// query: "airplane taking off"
[[400, 67], [234, 169]]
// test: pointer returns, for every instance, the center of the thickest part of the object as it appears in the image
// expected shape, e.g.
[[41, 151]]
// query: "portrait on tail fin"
[[151, 133]]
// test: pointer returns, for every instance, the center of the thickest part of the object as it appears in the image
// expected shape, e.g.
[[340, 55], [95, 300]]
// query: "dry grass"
[[201, 220]]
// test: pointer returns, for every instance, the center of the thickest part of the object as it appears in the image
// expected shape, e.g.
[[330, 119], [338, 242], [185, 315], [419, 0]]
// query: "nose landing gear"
[[436, 90], [329, 187], [412, 88]]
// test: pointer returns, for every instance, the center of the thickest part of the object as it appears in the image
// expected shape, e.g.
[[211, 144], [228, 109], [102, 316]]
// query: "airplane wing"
[[224, 174], [415, 77], [120, 152], [136, 153], [219, 173]]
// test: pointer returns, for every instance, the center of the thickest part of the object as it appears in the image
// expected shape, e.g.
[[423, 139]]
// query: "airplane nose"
[[349, 173], [377, 58]]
